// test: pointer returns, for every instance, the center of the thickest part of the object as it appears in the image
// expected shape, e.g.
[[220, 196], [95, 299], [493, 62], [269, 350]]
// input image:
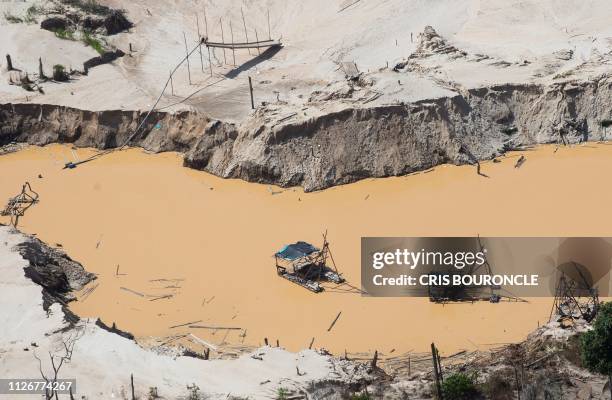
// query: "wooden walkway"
[[245, 45]]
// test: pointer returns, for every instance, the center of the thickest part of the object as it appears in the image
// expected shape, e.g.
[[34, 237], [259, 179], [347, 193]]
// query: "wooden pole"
[[269, 31], [246, 34], [223, 40], [252, 100], [205, 23], [187, 53], [200, 41], [233, 50], [209, 61], [9, 63], [435, 366], [206, 30], [311, 343], [439, 366], [41, 73], [375, 359], [257, 39], [132, 385], [171, 83], [266, 341]]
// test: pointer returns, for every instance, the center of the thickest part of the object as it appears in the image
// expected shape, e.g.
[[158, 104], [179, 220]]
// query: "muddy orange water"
[[213, 240]]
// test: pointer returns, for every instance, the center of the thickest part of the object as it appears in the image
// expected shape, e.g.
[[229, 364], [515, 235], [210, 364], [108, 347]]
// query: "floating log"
[[185, 324], [167, 296], [215, 327], [202, 342], [132, 291], [334, 322]]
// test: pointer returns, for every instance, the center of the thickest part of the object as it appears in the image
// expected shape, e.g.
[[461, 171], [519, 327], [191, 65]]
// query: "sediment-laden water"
[[208, 242]]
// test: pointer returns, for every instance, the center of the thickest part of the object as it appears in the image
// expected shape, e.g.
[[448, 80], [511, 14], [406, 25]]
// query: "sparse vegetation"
[[153, 394], [13, 19], [31, 12], [459, 387], [498, 386], [282, 394], [59, 73], [194, 392], [95, 44], [64, 34], [362, 396], [89, 6], [596, 345]]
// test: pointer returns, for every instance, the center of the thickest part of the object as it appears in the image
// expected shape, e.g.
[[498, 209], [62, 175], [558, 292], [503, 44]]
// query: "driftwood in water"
[[185, 324], [334, 322], [114, 329], [132, 291], [167, 296], [231, 328]]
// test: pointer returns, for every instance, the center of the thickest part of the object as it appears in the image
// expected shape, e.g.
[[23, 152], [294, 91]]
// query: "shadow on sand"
[[266, 55]]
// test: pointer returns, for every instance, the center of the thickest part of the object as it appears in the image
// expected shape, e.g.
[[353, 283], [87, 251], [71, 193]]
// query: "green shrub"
[[459, 387], [95, 44], [362, 396], [59, 73], [64, 34], [282, 394], [596, 345]]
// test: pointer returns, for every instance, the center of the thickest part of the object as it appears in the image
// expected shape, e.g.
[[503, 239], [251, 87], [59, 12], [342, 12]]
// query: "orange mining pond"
[[209, 242]]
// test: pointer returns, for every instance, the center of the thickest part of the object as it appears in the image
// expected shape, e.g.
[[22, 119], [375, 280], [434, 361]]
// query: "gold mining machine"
[[306, 265]]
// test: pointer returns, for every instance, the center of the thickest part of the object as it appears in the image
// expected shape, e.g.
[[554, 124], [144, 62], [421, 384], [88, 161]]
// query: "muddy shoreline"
[[339, 147]]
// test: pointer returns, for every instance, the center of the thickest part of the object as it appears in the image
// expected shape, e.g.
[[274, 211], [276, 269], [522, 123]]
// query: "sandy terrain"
[[213, 240], [504, 42]]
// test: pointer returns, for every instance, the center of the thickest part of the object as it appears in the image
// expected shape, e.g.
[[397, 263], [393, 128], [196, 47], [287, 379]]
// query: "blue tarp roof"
[[296, 250]]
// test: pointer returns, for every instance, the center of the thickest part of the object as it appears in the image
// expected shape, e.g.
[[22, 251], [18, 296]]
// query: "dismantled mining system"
[[17, 206]]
